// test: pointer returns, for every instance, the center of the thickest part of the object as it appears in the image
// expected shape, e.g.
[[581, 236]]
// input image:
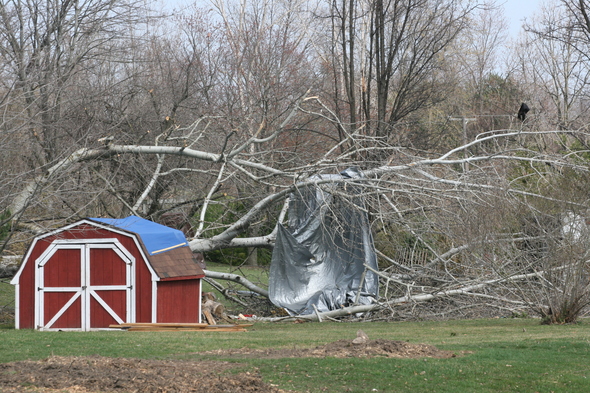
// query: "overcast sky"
[[515, 10], [518, 10]]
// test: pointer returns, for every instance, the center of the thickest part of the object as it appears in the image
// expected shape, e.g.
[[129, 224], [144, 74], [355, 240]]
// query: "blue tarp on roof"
[[155, 237]]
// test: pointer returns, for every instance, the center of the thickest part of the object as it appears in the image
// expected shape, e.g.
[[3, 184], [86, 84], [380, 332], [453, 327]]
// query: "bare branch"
[[237, 278]]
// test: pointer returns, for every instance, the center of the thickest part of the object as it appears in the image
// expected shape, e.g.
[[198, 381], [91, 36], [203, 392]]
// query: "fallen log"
[[209, 317]]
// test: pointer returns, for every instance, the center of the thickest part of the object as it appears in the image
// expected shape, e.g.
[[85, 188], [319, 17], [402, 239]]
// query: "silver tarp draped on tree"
[[319, 259]]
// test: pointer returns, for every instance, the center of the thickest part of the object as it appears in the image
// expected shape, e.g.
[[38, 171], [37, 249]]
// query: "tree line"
[[216, 112]]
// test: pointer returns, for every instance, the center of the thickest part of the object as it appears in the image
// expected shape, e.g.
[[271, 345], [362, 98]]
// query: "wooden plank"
[[162, 324], [145, 329], [229, 325], [179, 324]]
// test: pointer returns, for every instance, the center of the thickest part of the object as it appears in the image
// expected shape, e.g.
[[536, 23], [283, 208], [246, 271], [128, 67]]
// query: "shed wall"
[[179, 301], [144, 293], [26, 287]]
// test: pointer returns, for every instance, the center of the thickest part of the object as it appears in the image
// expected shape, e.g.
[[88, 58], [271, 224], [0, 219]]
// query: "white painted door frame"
[[86, 291]]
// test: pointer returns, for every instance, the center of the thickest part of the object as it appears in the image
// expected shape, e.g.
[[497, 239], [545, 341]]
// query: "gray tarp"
[[319, 259]]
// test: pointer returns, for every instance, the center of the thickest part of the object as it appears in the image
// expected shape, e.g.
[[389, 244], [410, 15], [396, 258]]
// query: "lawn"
[[498, 355], [494, 355]]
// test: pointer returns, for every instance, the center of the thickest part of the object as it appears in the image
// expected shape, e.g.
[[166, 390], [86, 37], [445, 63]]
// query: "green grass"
[[6, 293], [504, 355], [498, 355], [6, 303]]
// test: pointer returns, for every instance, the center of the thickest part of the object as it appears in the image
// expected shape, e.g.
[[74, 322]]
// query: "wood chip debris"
[[184, 327]]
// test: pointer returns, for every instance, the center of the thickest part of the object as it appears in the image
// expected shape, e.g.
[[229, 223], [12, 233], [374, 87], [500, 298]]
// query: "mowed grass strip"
[[499, 355]]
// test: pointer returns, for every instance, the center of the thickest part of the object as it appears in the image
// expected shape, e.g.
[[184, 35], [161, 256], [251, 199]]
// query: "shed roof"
[[155, 237], [169, 254], [175, 264]]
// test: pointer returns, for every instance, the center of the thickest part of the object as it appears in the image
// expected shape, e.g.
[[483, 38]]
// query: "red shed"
[[97, 272]]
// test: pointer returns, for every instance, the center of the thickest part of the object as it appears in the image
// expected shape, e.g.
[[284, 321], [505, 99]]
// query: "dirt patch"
[[343, 349], [100, 374], [97, 374]]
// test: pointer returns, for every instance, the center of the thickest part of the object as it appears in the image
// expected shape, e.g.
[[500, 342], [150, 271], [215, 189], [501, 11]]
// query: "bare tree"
[[46, 44], [266, 66], [467, 224], [47, 49], [552, 63], [385, 57], [579, 11]]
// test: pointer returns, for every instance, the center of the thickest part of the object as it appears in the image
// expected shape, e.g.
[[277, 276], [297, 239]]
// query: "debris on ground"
[[342, 349], [96, 374]]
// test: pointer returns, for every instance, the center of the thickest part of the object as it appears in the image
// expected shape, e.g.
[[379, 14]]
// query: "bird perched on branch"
[[524, 108]]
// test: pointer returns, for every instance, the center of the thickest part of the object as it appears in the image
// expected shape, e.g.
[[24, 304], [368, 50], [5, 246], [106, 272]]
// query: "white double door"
[[84, 285]]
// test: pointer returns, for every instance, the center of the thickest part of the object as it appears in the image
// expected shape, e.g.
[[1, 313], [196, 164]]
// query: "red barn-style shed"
[[98, 272]]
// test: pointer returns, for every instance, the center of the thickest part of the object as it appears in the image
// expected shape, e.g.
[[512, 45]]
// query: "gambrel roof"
[[169, 254], [156, 238]]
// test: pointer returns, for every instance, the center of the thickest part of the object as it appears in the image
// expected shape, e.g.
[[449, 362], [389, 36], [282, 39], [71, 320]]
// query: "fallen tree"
[[475, 228], [416, 294]]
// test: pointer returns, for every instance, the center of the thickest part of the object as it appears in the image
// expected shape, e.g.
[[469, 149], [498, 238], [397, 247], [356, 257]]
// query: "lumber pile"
[[184, 327]]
